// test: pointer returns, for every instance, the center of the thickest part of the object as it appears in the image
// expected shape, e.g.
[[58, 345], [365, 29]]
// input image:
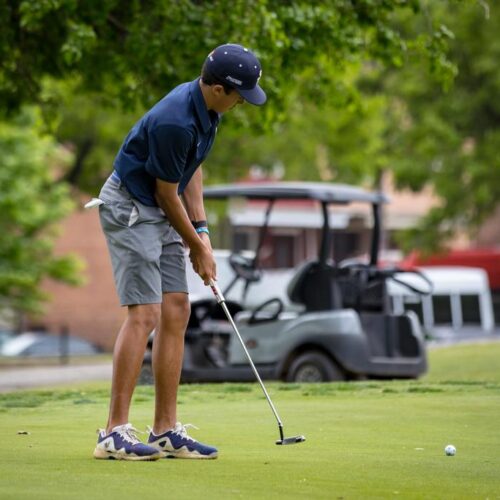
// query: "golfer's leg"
[[168, 351], [127, 359]]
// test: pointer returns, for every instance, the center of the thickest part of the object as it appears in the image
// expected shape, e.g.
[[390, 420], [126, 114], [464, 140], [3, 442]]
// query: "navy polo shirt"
[[169, 143]]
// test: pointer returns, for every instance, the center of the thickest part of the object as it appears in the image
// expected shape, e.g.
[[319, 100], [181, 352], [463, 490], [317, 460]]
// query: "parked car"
[[5, 336], [32, 344], [325, 322]]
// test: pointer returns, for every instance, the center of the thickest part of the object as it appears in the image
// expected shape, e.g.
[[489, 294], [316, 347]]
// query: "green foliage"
[[138, 50], [131, 53], [450, 139], [355, 88], [30, 204], [91, 124], [339, 142]]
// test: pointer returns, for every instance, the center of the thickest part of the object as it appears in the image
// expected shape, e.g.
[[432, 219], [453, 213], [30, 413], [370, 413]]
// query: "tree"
[[137, 50], [30, 205], [91, 126], [332, 142], [449, 140], [132, 52], [81, 61]]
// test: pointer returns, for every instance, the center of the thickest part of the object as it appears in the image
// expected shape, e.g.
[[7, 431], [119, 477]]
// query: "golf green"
[[371, 439]]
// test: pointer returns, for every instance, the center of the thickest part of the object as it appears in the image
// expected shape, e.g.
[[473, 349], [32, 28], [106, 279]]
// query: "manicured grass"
[[480, 362], [373, 439]]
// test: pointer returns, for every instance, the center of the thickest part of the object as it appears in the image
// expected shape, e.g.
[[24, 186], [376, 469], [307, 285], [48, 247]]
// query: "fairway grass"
[[371, 439]]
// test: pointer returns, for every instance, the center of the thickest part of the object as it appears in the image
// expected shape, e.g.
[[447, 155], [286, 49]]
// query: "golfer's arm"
[[170, 202], [193, 197]]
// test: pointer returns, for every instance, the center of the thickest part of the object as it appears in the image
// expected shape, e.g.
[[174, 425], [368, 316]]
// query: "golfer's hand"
[[204, 263]]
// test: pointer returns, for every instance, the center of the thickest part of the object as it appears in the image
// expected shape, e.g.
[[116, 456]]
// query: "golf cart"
[[341, 326]]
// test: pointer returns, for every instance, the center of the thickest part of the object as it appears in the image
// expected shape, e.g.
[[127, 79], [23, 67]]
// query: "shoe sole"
[[110, 455], [185, 454]]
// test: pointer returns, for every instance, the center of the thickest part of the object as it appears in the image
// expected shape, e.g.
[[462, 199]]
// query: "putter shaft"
[[222, 301]]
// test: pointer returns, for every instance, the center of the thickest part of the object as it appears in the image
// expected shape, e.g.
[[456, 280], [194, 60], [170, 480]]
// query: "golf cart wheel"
[[314, 366]]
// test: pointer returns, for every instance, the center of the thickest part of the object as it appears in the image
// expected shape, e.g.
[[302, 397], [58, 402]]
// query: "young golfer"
[[145, 222]]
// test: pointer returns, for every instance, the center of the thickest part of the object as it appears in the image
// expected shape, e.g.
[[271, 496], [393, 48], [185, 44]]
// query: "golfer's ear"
[[217, 90]]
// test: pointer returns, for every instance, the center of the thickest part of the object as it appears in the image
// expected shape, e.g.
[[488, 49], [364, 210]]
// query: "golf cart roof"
[[320, 191]]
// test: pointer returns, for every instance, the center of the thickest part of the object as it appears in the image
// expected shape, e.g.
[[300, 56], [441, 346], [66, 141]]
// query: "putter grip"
[[217, 291]]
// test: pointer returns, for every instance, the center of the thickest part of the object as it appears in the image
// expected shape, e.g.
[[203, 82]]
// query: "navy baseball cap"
[[239, 68]]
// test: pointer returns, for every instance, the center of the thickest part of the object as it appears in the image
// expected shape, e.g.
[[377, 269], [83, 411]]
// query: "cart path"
[[12, 379]]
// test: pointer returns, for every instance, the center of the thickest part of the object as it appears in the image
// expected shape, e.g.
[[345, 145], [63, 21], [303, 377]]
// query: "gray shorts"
[[146, 252]]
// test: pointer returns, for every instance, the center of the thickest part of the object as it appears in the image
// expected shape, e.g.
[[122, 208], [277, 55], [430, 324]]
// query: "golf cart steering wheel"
[[244, 267], [412, 288], [279, 309], [367, 271]]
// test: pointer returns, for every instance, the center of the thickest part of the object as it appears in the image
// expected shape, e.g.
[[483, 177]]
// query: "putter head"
[[291, 440]]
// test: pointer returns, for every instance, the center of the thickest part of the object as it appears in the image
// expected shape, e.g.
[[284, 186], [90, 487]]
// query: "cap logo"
[[234, 80]]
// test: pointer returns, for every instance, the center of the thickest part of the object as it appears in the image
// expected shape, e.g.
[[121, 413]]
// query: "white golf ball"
[[450, 450]]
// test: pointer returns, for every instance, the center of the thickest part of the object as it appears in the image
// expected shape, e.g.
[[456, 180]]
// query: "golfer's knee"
[[181, 308], [144, 318], [177, 308]]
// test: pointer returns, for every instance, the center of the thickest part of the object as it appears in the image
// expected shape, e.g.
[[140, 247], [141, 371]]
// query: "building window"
[[283, 251]]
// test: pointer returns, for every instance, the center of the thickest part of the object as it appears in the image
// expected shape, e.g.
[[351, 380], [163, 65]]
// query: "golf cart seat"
[[315, 286]]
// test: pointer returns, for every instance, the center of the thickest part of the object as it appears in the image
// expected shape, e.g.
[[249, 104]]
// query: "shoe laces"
[[181, 430], [128, 433]]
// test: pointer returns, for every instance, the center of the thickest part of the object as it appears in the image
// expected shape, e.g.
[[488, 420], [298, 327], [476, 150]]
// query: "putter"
[[222, 301]]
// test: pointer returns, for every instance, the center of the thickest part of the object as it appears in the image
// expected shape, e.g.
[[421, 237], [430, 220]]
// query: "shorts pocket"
[[118, 215], [149, 215]]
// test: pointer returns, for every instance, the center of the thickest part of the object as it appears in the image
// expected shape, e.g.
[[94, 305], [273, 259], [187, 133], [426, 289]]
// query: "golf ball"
[[450, 450]]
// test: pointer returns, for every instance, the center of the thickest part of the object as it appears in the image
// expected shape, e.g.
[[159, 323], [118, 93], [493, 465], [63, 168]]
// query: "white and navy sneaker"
[[122, 444], [176, 443]]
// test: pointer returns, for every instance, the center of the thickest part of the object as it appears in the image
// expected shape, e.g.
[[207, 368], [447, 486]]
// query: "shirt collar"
[[200, 106]]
